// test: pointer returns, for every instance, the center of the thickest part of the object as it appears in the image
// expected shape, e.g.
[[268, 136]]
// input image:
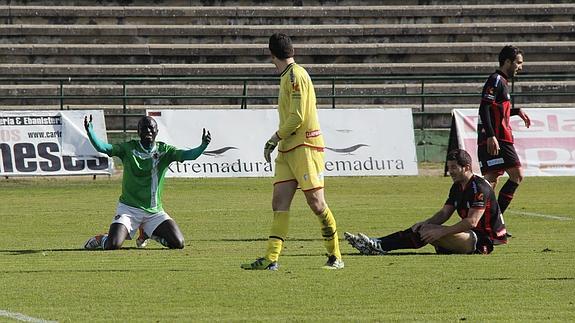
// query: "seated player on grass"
[[140, 206], [480, 228]]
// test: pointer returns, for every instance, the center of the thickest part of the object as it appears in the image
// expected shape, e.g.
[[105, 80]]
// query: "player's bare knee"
[[112, 244], [316, 204], [279, 204], [318, 207], [492, 179], [178, 244], [280, 207]]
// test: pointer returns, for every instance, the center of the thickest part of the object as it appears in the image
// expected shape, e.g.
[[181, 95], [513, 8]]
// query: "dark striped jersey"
[[478, 194], [495, 110]]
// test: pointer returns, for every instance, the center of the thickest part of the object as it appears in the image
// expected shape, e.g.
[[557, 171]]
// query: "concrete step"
[[322, 87], [541, 32], [14, 14], [299, 3], [259, 53], [360, 49], [401, 92], [260, 33], [21, 70]]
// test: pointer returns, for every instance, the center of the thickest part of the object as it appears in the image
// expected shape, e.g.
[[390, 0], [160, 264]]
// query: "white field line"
[[547, 216], [23, 318]]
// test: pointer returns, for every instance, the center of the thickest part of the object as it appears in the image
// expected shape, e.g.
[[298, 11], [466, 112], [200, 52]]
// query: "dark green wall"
[[431, 144]]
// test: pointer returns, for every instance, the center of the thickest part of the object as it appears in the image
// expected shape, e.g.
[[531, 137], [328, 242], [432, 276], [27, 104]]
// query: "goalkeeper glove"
[[270, 145]]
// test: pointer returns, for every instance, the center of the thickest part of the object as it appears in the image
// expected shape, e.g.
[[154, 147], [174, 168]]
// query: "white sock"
[[103, 241]]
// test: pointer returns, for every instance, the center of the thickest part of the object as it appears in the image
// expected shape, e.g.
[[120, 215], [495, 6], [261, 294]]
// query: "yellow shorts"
[[302, 164]]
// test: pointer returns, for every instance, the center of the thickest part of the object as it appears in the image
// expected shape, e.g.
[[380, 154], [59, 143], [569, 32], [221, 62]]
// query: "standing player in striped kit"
[[300, 158], [140, 206], [495, 150]]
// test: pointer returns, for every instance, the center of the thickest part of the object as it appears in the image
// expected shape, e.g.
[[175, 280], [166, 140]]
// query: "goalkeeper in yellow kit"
[[300, 157]]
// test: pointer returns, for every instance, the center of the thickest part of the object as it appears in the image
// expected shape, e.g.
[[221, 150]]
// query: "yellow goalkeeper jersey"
[[299, 124]]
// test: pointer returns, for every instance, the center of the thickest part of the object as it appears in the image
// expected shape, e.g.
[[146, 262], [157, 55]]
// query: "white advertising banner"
[[547, 148], [50, 143], [359, 142]]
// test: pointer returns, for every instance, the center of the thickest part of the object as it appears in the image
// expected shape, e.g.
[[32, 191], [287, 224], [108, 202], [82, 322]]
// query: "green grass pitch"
[[45, 274]]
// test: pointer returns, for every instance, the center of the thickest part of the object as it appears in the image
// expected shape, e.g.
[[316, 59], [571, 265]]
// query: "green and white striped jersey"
[[144, 170]]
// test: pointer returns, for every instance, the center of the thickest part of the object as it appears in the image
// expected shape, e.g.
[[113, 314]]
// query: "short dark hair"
[[460, 156], [148, 120], [280, 46], [508, 52]]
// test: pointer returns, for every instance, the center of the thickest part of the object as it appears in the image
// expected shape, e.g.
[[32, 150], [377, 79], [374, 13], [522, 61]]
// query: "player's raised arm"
[[206, 138], [100, 146], [87, 123], [194, 153]]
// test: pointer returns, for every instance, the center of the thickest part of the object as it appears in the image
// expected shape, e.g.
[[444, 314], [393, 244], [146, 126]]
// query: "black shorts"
[[507, 158]]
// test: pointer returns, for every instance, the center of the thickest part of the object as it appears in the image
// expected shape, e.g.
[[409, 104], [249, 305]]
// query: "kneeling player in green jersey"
[[140, 206]]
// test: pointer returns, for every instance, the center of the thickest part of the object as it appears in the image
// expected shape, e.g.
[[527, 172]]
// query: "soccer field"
[[46, 275]]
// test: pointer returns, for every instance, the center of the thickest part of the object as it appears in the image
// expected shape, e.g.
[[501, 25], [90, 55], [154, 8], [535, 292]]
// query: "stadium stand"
[[165, 38]]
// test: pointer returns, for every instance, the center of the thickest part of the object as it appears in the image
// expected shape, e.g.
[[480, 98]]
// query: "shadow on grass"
[[309, 254], [391, 254], [35, 251], [259, 239], [106, 270]]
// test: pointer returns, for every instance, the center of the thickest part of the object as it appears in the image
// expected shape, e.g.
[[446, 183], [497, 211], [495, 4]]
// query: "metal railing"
[[246, 81]]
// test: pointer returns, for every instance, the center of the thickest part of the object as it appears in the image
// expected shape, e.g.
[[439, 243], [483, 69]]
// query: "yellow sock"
[[277, 235], [329, 232]]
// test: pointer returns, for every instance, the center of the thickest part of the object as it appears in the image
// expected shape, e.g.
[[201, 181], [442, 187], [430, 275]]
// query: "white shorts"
[[132, 218]]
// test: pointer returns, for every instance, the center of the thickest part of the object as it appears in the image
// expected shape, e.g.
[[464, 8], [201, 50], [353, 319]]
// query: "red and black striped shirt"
[[495, 110], [479, 194]]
